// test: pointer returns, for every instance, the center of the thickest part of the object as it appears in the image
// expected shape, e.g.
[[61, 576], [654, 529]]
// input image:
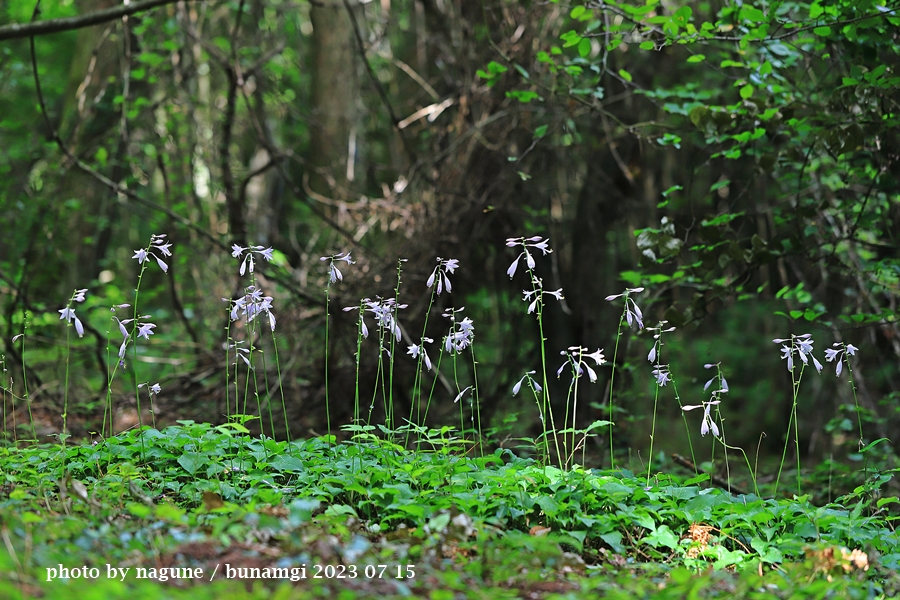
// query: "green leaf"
[[648, 45], [746, 91], [822, 31], [584, 48], [697, 58], [577, 12], [192, 461], [624, 74], [540, 131]]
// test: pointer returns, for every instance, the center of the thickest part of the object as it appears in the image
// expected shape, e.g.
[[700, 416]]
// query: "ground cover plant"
[[449, 299], [393, 507]]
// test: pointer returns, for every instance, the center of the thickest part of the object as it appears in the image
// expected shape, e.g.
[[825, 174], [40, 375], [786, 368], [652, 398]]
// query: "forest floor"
[[203, 512]]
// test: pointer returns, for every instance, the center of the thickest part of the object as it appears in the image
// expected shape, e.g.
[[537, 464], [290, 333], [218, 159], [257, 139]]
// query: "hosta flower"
[[384, 311], [802, 345], [157, 244], [707, 424], [575, 356], [839, 352], [68, 313], [526, 243], [723, 384], [419, 350], [537, 387], [536, 295], [248, 262], [251, 305], [632, 310], [439, 274], [462, 333], [334, 274], [661, 372]]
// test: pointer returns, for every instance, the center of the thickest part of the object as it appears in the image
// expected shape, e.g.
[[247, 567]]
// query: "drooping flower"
[[802, 345], [251, 305], [68, 313], [159, 244], [633, 312], [839, 352], [419, 350], [575, 358], [537, 387], [439, 274], [526, 243], [707, 424], [334, 274]]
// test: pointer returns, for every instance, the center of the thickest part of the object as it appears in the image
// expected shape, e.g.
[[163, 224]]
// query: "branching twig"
[[34, 28]]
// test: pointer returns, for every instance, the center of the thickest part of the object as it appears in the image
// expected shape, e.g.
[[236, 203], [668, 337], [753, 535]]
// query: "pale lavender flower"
[[419, 350], [536, 295], [439, 274], [153, 389], [247, 264], [334, 274], [69, 315], [462, 333], [461, 394], [527, 376], [251, 305], [803, 346], [839, 352], [145, 330], [385, 315], [526, 243], [241, 353], [707, 424], [723, 383], [575, 356], [157, 243], [661, 372], [633, 312]]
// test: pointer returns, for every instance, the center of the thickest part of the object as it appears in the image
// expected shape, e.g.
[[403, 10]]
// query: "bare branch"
[[23, 30]]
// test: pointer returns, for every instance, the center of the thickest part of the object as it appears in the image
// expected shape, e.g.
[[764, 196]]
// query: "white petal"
[[512, 268], [652, 356], [517, 387], [838, 368], [430, 281]]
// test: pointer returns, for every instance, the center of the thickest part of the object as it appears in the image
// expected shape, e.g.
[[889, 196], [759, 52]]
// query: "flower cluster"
[[708, 424], [575, 356], [157, 244], [144, 330], [385, 319], [632, 310], [802, 345], [68, 313], [439, 274], [526, 243], [840, 351], [334, 274], [251, 305], [462, 333], [536, 295], [247, 263]]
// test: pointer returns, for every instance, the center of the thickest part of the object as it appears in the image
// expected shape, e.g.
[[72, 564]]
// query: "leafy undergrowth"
[[192, 510]]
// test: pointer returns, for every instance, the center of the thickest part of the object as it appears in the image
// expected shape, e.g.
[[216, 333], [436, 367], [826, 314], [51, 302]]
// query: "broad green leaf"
[[697, 58], [624, 74]]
